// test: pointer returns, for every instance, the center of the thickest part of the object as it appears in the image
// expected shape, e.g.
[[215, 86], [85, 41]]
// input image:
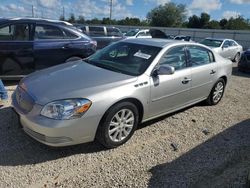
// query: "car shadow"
[[236, 72], [17, 148], [222, 161]]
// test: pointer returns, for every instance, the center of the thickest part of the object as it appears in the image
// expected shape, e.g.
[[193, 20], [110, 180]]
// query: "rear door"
[[50, 46], [16, 50], [203, 71]]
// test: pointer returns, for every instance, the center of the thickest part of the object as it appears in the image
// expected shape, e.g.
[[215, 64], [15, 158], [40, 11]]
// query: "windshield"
[[212, 42], [126, 58], [131, 33]]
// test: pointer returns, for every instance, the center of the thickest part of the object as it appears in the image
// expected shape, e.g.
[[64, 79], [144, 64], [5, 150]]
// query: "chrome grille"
[[24, 100]]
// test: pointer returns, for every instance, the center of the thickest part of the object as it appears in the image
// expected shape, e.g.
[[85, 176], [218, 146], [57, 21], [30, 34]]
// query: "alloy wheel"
[[121, 125], [218, 92]]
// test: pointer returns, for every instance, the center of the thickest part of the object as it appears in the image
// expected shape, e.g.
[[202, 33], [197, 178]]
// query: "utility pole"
[[63, 13], [32, 11], [110, 14]]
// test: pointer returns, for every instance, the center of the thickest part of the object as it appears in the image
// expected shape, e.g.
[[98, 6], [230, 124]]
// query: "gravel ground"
[[201, 146]]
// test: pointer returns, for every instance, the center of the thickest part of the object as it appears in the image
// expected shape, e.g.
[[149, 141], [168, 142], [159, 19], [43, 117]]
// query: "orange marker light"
[[84, 108]]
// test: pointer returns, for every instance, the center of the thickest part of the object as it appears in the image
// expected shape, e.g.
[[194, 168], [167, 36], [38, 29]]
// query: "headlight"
[[66, 109]]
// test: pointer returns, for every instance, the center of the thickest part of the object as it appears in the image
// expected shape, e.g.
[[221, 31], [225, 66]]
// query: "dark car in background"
[[27, 45], [102, 34], [244, 63], [182, 37]]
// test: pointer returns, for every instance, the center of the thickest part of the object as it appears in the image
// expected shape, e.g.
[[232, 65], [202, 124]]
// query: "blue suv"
[[27, 45]]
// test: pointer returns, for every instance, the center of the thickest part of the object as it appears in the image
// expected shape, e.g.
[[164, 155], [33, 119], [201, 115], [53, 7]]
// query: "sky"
[[52, 9]]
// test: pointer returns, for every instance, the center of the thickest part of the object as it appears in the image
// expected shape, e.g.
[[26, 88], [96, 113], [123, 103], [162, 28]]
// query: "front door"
[[169, 92]]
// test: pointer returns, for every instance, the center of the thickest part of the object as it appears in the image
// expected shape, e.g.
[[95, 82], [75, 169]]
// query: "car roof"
[[220, 39], [37, 20], [157, 42]]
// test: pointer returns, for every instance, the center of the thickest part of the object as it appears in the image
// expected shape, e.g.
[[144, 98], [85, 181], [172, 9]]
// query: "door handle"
[[186, 80], [212, 72], [66, 46]]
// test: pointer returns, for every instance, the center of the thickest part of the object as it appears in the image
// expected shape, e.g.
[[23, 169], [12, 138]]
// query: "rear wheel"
[[216, 93], [118, 125], [237, 58]]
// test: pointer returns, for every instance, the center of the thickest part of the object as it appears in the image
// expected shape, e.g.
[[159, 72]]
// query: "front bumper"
[[57, 133]]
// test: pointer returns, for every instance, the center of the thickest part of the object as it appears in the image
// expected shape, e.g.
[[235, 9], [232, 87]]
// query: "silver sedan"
[[108, 94], [227, 48]]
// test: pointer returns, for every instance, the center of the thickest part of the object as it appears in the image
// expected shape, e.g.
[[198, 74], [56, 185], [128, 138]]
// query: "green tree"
[[204, 20], [214, 24], [194, 22], [72, 18], [80, 20], [201, 21], [130, 21], [238, 23], [94, 21], [168, 15], [223, 23]]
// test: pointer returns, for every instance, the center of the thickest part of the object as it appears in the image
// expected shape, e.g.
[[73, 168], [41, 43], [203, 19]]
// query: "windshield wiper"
[[108, 67]]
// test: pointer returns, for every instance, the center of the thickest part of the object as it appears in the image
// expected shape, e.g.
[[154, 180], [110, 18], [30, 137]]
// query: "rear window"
[[96, 31], [69, 35], [114, 32], [48, 32], [15, 32]]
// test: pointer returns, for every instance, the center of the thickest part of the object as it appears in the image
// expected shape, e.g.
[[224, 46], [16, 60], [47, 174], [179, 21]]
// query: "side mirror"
[[164, 70]]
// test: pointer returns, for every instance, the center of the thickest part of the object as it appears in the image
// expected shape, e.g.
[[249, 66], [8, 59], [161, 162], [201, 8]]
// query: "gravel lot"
[[213, 150]]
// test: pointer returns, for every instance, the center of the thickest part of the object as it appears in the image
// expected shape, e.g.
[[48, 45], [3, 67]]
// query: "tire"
[[74, 58], [113, 130], [237, 58], [216, 93]]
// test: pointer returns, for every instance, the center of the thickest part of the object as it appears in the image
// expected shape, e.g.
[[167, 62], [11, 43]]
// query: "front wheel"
[[118, 125], [217, 92]]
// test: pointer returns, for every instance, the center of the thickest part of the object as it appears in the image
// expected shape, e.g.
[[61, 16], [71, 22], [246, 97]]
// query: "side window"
[[232, 43], [96, 31], [113, 32], [15, 32], [226, 44], [43, 32], [200, 56], [69, 35], [175, 57], [141, 34], [148, 33]]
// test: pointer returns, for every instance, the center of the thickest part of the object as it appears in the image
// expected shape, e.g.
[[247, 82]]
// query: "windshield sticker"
[[142, 55]]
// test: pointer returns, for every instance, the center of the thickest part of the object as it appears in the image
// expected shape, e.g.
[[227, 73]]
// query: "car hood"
[[71, 80]]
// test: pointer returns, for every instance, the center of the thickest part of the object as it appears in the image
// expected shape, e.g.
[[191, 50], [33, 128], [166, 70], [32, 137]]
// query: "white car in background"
[[227, 48], [138, 33]]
